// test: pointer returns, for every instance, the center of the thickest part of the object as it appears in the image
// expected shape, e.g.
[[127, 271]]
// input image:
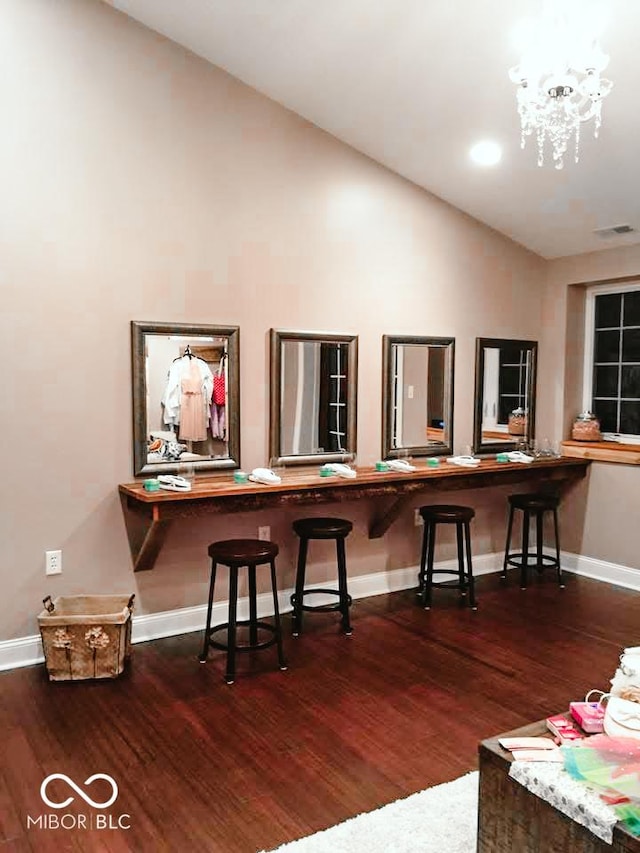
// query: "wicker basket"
[[86, 636]]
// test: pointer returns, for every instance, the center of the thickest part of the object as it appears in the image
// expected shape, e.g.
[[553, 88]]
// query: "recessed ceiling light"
[[486, 153]]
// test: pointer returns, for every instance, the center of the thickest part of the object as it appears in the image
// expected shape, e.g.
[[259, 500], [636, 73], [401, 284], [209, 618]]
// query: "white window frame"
[[587, 373]]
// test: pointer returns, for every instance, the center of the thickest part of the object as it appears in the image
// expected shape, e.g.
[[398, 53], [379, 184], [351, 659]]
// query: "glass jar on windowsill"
[[586, 427], [517, 422]]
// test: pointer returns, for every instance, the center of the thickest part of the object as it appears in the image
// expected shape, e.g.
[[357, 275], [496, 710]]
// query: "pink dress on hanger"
[[193, 413], [218, 402]]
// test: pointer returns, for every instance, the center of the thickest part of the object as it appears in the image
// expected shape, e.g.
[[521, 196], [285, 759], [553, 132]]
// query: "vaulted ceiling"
[[414, 83]]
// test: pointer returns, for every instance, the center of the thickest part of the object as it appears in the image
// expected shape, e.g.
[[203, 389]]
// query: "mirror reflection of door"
[[314, 399], [418, 395]]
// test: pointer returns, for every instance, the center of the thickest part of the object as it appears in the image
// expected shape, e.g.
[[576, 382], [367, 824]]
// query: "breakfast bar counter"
[[148, 515]]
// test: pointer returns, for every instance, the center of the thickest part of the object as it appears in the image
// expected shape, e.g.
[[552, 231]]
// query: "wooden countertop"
[[220, 494], [445, 474]]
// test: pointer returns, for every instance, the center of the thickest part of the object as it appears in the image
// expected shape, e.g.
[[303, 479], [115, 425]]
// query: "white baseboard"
[[26, 651], [601, 570]]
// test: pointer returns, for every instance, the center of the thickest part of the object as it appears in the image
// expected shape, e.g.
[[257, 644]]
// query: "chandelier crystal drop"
[[558, 79]]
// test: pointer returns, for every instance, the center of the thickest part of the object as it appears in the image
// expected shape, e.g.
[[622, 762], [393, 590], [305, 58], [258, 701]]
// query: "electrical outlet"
[[264, 533], [53, 562], [417, 518]]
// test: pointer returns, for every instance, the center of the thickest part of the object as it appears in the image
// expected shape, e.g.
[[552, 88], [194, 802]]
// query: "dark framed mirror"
[[505, 394], [313, 395], [417, 396], [186, 397]]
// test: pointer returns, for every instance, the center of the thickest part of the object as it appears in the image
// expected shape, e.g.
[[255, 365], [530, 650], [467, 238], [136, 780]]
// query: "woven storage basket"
[[86, 636]]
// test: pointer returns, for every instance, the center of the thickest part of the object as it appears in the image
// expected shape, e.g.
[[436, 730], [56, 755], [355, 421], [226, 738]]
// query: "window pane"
[[630, 344], [605, 382], [630, 418], [510, 380], [607, 346], [632, 308], [607, 411], [630, 381], [608, 310], [511, 355], [615, 377]]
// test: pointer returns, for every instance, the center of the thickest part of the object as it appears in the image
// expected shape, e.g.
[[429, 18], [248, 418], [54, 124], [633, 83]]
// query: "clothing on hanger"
[[189, 386]]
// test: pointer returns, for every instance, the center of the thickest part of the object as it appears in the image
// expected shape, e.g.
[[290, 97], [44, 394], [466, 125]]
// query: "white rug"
[[438, 819]]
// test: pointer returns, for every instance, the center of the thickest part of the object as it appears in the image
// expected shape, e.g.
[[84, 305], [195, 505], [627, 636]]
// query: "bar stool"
[[321, 528], [532, 506], [236, 554], [461, 517]]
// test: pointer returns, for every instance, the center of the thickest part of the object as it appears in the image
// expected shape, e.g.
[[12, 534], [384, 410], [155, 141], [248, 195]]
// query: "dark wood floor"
[[353, 724]]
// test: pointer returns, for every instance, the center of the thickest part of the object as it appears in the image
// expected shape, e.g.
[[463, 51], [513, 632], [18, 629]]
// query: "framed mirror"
[[186, 397], [417, 396], [314, 380], [505, 394]]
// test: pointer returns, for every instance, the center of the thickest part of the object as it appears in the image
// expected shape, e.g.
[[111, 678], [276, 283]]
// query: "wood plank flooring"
[[353, 724]]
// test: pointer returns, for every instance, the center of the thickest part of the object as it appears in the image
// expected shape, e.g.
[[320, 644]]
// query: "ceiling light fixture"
[[558, 77], [486, 153]]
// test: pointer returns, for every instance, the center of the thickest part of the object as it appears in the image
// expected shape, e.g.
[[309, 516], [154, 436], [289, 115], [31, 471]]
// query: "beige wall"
[[138, 182], [600, 522]]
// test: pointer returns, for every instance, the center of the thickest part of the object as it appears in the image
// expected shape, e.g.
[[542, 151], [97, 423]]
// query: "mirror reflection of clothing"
[[193, 413], [218, 424], [218, 403], [187, 397]]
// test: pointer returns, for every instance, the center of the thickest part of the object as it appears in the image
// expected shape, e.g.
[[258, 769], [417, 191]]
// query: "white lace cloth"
[[552, 783]]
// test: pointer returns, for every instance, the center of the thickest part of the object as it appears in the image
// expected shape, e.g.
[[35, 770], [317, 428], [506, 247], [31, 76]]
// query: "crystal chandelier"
[[558, 79]]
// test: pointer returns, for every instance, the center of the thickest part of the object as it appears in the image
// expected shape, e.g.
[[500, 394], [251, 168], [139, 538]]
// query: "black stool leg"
[[507, 547], [426, 590], [539, 540], [470, 579], [558, 567], [423, 561], [296, 598], [525, 549], [276, 617], [253, 607], [461, 578], [207, 630], [230, 674], [342, 586]]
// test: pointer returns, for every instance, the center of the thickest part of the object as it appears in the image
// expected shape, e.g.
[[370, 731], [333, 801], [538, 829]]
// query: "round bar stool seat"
[[237, 554], [321, 528], [535, 506], [447, 513], [461, 516], [238, 551]]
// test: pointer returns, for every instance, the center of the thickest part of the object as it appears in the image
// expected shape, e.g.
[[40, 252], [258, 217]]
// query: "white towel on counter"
[[464, 461], [519, 456]]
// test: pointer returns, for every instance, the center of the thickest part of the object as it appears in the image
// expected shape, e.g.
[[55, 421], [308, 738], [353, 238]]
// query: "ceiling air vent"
[[614, 231]]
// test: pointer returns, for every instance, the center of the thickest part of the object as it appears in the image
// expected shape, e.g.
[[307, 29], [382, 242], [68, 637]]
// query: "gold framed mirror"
[[417, 396], [505, 394], [313, 397], [186, 397]]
